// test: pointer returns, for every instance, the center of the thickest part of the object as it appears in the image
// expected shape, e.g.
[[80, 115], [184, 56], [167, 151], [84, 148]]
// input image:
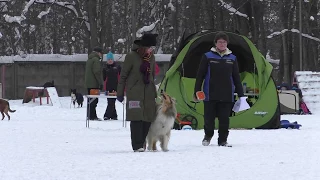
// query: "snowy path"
[[44, 142]]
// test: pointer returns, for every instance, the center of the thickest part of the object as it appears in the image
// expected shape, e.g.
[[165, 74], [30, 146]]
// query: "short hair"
[[221, 35]]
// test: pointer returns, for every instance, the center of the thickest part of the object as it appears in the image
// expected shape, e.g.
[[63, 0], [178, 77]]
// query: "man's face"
[[100, 54], [221, 44]]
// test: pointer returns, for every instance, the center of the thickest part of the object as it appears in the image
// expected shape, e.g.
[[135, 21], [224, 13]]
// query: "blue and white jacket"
[[219, 74]]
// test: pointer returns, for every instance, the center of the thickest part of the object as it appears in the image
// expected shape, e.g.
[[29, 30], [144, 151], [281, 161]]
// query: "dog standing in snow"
[[160, 129], [5, 108], [76, 97]]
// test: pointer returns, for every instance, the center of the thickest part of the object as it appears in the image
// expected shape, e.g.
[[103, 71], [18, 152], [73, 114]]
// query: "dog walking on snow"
[[5, 108]]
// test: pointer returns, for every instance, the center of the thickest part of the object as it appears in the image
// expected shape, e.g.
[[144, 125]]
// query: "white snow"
[[34, 87], [233, 10], [69, 6], [3, 6], [121, 41], [269, 59], [17, 35], [149, 28], [45, 142], [43, 13], [27, 6], [311, 18], [170, 5], [11, 19], [159, 51], [295, 31], [32, 28], [309, 83]]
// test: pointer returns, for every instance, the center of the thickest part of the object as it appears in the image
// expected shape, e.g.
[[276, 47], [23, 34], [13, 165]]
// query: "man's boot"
[[206, 140], [222, 140]]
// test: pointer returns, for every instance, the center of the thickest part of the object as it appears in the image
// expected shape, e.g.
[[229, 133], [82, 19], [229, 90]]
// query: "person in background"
[[93, 79], [219, 71], [111, 74], [137, 76]]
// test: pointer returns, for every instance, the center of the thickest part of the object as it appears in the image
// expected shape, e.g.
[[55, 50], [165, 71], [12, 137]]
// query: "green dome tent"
[[179, 81]]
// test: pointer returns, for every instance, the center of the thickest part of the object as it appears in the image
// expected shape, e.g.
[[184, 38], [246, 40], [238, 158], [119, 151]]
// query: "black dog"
[[49, 84], [76, 97], [46, 85]]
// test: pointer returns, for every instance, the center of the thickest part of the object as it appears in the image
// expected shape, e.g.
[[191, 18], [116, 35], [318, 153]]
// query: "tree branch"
[[67, 5]]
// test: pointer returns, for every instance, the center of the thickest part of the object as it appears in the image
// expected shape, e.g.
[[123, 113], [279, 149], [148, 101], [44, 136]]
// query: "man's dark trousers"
[[213, 109], [139, 131], [111, 111], [93, 105]]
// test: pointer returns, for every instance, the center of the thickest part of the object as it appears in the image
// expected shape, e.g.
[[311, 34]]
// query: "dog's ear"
[[174, 101], [164, 95]]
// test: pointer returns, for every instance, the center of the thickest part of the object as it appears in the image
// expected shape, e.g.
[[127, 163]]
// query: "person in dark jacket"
[[93, 79], [137, 75], [110, 75], [219, 71]]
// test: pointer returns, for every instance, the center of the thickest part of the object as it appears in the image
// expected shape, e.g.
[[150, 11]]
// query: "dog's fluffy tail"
[[12, 111]]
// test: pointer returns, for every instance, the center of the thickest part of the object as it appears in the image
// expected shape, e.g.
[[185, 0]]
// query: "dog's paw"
[[165, 150]]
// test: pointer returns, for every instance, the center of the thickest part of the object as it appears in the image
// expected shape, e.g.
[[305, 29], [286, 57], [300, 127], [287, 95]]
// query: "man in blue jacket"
[[219, 71]]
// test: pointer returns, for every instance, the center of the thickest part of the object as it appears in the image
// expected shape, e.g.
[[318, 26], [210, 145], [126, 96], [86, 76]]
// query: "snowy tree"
[[76, 26]]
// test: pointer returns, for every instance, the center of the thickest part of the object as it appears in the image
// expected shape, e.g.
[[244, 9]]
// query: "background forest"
[[75, 26]]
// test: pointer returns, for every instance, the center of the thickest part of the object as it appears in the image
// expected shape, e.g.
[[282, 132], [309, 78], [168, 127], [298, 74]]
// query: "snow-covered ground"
[[45, 142]]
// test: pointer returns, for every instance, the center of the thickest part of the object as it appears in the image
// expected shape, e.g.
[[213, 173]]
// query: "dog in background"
[[45, 85], [76, 97], [5, 108], [160, 129], [49, 84]]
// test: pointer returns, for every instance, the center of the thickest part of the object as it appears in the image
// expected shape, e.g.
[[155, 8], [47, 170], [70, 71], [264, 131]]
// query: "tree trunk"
[[133, 20], [92, 14], [286, 75]]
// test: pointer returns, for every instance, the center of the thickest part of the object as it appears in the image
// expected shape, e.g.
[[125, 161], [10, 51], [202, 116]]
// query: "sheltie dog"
[[160, 129], [5, 108]]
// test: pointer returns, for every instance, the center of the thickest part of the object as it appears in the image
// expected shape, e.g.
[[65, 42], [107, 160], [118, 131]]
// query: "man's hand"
[[195, 99]]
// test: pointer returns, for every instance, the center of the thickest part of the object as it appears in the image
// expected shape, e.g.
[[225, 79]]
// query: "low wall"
[[67, 71], [16, 74]]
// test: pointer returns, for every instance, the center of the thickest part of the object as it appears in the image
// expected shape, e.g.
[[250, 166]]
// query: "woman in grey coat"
[[137, 77]]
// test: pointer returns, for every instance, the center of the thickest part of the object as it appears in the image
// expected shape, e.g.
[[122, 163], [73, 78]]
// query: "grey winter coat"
[[140, 103]]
